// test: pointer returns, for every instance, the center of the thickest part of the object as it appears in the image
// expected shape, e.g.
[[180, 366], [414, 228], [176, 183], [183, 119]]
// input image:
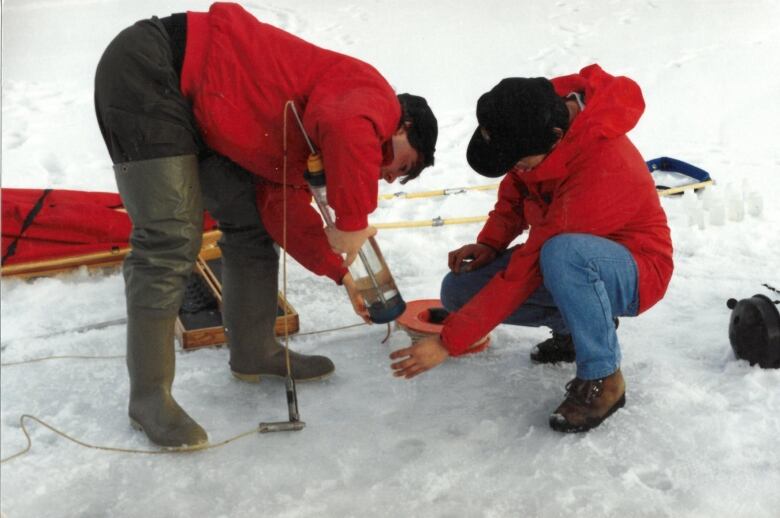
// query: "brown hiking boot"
[[588, 403]]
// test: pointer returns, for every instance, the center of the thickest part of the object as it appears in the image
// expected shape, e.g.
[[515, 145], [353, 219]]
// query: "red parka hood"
[[613, 106]]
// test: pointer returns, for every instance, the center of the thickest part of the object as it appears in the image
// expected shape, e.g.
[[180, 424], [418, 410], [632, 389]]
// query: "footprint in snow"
[[409, 449], [51, 163], [14, 139]]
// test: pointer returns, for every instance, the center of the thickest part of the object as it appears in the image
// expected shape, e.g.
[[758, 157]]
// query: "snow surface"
[[699, 435]]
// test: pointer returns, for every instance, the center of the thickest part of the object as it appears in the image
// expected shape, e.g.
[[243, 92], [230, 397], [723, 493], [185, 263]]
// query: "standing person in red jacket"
[[192, 110], [598, 244]]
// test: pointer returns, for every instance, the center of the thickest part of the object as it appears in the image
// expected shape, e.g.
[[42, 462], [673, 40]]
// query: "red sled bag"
[[43, 224]]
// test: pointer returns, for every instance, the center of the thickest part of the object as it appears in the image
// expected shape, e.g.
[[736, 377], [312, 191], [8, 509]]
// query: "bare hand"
[[420, 357], [349, 243], [470, 257], [358, 303]]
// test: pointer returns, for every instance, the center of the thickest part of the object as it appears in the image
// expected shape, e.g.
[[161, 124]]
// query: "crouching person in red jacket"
[[192, 110], [598, 244]]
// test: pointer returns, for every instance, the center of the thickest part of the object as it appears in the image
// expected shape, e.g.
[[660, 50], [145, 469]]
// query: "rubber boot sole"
[[257, 378], [560, 424], [138, 426], [545, 361]]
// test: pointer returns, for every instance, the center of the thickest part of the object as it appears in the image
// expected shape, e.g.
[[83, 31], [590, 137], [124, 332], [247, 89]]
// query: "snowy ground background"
[[699, 435]]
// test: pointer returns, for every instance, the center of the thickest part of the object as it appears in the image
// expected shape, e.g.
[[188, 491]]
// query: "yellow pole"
[[438, 221], [435, 222], [686, 187], [438, 192]]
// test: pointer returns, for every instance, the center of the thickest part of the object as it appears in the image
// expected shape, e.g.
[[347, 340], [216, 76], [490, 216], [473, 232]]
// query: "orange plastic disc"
[[416, 321], [417, 314]]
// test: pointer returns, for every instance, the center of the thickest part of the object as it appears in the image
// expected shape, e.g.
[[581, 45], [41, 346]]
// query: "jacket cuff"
[[337, 274], [332, 267], [495, 245], [496, 248], [351, 223], [452, 342]]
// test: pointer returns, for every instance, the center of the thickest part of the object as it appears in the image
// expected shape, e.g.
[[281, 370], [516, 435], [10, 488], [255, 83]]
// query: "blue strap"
[[678, 166]]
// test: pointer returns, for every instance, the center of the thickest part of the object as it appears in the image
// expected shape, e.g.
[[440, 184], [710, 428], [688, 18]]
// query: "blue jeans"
[[588, 280]]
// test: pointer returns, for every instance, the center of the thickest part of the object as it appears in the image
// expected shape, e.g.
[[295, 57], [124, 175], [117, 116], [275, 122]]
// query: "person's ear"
[[558, 132], [403, 128]]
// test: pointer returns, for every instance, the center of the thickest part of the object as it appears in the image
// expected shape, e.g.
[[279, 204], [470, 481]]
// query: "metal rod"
[[292, 399], [294, 423], [371, 276], [303, 130], [281, 426]]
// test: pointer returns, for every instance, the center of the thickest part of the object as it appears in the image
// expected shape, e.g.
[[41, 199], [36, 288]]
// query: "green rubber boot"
[[249, 289], [163, 199], [151, 363]]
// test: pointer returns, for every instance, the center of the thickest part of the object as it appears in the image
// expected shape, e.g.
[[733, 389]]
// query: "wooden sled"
[[108, 259], [200, 319], [198, 327]]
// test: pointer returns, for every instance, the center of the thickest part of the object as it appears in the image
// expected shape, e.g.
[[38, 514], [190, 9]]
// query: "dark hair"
[[517, 118], [422, 130]]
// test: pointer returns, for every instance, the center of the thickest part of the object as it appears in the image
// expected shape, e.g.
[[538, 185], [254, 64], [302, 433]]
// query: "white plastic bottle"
[[754, 202], [735, 206]]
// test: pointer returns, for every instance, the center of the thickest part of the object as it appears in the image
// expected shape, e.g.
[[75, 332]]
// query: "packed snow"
[[699, 434]]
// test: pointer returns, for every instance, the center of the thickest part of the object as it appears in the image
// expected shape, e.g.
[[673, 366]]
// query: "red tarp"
[[69, 223]]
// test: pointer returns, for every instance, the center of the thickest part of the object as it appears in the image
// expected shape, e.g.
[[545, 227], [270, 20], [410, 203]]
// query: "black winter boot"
[[559, 348]]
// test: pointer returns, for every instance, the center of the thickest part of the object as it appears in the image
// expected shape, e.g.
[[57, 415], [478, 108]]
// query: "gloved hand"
[[470, 257], [348, 242]]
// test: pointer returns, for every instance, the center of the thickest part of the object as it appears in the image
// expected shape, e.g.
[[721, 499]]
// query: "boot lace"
[[584, 391]]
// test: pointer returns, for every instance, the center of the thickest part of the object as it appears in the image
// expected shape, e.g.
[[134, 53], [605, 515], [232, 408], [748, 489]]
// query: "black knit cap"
[[423, 129], [516, 119]]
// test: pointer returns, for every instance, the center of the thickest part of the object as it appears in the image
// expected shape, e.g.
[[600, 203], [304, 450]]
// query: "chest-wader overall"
[[166, 176]]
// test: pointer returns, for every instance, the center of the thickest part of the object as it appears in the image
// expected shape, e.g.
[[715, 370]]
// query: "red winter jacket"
[[596, 183], [239, 73]]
